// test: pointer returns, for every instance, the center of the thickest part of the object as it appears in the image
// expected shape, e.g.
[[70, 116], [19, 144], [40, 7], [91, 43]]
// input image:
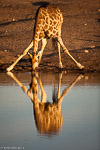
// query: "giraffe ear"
[[30, 55], [35, 53]]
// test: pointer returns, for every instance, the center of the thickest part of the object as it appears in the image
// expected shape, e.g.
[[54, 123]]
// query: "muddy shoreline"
[[80, 33]]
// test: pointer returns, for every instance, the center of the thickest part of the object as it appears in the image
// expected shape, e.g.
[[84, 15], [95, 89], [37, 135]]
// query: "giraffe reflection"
[[48, 116]]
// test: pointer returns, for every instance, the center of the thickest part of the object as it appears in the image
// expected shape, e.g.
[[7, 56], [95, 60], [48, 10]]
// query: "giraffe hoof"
[[80, 66], [60, 65], [9, 68]]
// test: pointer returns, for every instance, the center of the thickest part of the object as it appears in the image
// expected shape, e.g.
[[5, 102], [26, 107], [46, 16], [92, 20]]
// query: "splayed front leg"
[[67, 52], [20, 57], [80, 66]]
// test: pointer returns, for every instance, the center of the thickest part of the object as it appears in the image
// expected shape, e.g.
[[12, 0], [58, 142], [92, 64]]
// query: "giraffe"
[[48, 24], [48, 116]]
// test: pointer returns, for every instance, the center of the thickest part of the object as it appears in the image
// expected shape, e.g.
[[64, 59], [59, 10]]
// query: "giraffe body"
[[48, 25]]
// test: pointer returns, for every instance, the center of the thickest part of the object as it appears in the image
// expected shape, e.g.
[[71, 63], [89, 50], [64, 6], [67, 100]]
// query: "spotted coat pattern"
[[48, 24]]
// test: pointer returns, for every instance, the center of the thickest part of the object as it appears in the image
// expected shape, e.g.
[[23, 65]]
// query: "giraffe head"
[[34, 61]]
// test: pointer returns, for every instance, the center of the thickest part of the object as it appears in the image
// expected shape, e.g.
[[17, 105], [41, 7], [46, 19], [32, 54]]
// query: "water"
[[77, 127]]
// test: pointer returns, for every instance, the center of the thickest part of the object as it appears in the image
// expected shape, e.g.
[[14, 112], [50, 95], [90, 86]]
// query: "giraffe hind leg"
[[59, 53], [67, 52]]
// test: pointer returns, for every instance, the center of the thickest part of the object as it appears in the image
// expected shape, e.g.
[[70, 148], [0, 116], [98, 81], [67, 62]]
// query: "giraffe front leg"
[[67, 52], [20, 57]]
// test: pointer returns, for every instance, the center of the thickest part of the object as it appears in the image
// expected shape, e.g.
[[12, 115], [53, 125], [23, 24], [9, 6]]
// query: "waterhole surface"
[[70, 121]]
